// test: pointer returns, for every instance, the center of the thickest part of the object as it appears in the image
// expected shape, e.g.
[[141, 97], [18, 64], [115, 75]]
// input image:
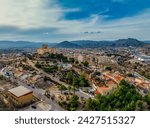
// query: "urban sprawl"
[[99, 79]]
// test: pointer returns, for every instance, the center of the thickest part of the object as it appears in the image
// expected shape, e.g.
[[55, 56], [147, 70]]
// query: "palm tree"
[[62, 88], [69, 77], [74, 89], [69, 89]]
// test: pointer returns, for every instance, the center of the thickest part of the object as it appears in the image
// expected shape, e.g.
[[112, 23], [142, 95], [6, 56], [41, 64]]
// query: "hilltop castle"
[[46, 49]]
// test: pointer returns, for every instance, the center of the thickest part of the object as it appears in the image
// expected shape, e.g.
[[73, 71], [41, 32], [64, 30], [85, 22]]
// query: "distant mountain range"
[[96, 44], [75, 44], [22, 44], [148, 42]]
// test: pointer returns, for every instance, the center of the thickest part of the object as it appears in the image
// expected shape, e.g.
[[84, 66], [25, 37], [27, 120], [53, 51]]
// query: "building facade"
[[20, 96]]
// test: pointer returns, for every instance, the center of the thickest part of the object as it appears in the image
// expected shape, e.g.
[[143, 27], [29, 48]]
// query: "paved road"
[[56, 79], [8, 60]]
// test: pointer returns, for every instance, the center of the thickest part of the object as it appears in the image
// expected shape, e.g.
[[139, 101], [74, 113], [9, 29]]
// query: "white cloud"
[[28, 14]]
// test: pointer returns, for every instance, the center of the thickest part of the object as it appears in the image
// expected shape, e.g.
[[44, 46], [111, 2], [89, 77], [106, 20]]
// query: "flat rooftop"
[[20, 91]]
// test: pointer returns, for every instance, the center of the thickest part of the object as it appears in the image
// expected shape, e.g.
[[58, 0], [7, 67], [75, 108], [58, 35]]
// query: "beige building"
[[81, 58], [21, 96], [45, 49], [104, 59]]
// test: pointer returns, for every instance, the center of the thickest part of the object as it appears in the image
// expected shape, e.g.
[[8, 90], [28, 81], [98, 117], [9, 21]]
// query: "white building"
[[144, 58]]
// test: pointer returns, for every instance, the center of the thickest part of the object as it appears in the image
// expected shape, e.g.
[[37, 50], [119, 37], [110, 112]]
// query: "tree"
[[139, 105], [76, 81], [91, 104], [69, 77], [62, 88], [134, 66], [72, 60], [63, 104], [108, 68], [46, 78], [38, 65], [147, 99], [124, 98], [130, 106], [74, 102], [74, 89], [130, 75], [83, 82], [1, 77], [76, 62], [96, 74], [85, 63], [69, 89]]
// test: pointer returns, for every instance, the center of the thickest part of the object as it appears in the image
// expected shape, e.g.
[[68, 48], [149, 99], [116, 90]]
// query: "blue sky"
[[58, 20]]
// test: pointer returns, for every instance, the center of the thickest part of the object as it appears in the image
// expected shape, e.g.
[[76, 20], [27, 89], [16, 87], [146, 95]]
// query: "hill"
[[129, 42], [147, 41], [21, 44], [67, 44], [118, 43]]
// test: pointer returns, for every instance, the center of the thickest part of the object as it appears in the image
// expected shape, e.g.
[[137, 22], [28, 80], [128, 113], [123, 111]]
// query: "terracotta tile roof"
[[103, 89], [118, 78], [96, 92], [110, 82]]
